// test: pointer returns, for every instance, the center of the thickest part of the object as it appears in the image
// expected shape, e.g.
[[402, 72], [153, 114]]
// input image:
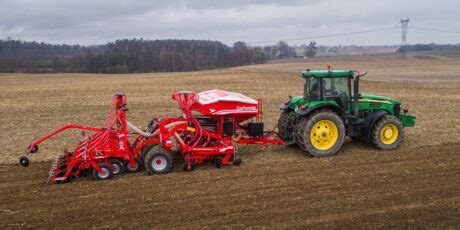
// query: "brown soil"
[[416, 188]]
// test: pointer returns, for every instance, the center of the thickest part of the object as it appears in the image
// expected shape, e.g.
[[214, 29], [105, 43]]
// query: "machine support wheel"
[[236, 160], [218, 162], [117, 166], [387, 133], [189, 165], [158, 160], [321, 134], [24, 161], [143, 152], [132, 168], [285, 126], [106, 172]]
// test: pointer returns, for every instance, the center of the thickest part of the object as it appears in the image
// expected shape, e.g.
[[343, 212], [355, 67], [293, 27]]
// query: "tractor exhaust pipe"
[[356, 93]]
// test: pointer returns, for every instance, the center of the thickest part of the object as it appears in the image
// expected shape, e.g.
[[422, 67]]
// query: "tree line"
[[126, 56], [430, 47]]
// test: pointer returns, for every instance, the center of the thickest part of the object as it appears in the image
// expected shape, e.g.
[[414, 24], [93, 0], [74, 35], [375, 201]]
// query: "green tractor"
[[320, 120]]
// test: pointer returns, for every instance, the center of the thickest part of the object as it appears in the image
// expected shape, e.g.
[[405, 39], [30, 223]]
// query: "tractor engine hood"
[[296, 102], [380, 99], [293, 103]]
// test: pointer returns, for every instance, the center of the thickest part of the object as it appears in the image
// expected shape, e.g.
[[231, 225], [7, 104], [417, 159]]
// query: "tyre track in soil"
[[412, 187]]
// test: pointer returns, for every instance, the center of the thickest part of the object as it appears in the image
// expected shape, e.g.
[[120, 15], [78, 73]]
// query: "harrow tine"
[[52, 170]]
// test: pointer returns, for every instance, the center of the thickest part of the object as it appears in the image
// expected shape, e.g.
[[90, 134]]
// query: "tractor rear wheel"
[[321, 134], [158, 160], [106, 172], [387, 133], [285, 126]]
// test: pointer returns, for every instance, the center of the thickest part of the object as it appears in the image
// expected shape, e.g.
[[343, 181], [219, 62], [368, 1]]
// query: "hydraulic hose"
[[145, 134]]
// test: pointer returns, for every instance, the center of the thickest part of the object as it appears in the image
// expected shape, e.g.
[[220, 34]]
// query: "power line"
[[404, 26], [326, 36], [415, 27]]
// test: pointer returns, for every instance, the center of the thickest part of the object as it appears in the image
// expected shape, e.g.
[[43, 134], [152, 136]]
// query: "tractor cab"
[[328, 85]]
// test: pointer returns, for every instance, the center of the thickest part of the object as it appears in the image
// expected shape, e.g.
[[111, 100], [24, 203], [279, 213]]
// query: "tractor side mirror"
[[361, 74]]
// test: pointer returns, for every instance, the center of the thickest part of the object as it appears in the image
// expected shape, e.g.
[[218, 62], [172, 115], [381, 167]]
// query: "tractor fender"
[[370, 121], [311, 110]]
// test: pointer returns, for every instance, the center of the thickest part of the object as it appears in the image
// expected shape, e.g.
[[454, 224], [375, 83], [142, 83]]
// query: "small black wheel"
[[132, 168], [24, 161], [218, 162], [158, 160], [85, 173], [117, 166], [106, 172], [237, 162], [33, 149], [189, 165]]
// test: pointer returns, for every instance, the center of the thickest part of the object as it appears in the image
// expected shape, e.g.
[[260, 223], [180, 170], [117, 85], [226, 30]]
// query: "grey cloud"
[[97, 21]]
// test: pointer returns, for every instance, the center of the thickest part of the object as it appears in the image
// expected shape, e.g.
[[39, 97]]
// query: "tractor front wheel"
[[158, 161], [321, 134], [387, 133]]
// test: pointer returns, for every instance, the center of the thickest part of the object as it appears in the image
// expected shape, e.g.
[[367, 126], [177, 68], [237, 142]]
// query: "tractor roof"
[[327, 73]]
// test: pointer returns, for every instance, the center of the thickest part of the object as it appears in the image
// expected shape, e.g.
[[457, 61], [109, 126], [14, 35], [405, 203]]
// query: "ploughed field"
[[416, 185]]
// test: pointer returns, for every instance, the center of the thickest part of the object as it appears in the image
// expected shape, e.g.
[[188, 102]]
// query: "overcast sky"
[[97, 22]]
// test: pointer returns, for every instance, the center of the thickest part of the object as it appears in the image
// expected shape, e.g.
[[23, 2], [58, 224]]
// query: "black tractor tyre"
[[285, 126], [144, 152], [107, 169], [117, 166], [305, 126], [376, 133], [158, 160], [132, 169]]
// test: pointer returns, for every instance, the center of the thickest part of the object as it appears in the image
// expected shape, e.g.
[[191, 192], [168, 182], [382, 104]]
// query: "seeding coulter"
[[211, 125]]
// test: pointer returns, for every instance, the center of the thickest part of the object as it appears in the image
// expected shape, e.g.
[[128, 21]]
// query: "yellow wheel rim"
[[389, 134], [324, 134]]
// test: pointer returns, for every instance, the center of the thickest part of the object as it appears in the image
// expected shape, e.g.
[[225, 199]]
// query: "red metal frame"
[[195, 143], [108, 142]]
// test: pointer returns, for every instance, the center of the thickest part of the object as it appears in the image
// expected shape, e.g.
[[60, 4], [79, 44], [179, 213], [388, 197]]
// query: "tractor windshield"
[[337, 89], [312, 89], [328, 88], [335, 86]]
